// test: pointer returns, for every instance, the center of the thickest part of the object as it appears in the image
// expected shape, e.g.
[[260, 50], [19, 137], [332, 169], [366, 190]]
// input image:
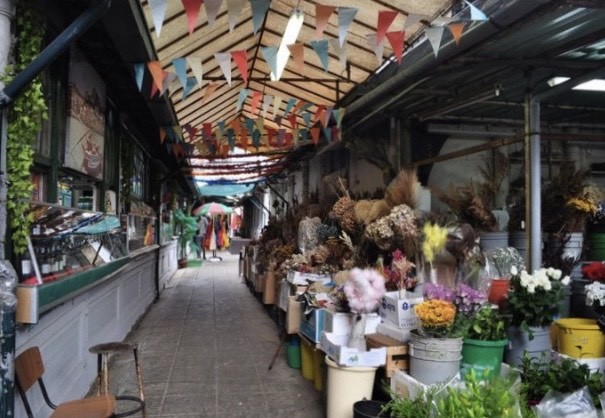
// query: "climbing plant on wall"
[[25, 118]]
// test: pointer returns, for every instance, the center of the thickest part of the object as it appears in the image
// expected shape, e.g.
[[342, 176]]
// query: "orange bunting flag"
[[298, 106], [322, 14], [241, 60], [162, 135], [210, 88], [244, 138], [192, 9], [298, 53], [236, 125], [396, 41], [155, 68], [319, 112], [456, 28], [385, 19], [315, 134], [256, 97]]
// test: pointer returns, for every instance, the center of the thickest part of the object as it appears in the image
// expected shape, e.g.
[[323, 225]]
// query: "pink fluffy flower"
[[364, 290]]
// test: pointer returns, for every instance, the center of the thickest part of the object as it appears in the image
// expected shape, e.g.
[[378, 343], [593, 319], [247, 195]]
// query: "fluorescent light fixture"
[[293, 28], [596, 84]]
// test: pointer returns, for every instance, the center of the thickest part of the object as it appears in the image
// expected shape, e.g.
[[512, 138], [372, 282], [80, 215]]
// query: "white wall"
[[105, 313], [363, 176]]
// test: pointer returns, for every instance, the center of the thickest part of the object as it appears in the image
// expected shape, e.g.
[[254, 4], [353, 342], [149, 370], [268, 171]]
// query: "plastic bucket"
[[492, 240], [293, 352], [435, 348], [318, 369], [498, 292], [577, 302], [306, 359], [483, 357], [573, 246], [346, 386], [517, 240], [519, 343], [425, 368], [580, 338], [368, 409], [597, 246]]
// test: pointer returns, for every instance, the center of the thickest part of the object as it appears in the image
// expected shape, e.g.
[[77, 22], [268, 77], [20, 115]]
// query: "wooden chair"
[[29, 368]]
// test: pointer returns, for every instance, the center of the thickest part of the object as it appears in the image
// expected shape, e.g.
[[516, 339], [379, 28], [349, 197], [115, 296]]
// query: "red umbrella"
[[212, 208]]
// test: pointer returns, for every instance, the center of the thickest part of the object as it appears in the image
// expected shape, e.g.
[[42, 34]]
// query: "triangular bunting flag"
[[378, 49], [298, 53], [339, 115], [256, 136], [385, 19], [434, 35], [212, 8], [170, 135], [250, 125], [442, 21], [298, 106], [192, 9], [243, 94], [224, 61], [210, 88], [221, 126], [292, 119], [189, 85], [303, 134], [307, 118], [270, 134], [270, 55], [341, 51], [276, 105], [322, 14], [456, 28], [266, 103], [162, 135], [218, 134], [335, 134], [281, 137], [154, 89], [260, 124], [256, 97], [243, 138], [236, 125], [315, 135], [289, 106], [158, 10], [139, 72], [168, 79], [234, 8], [328, 134], [306, 106], [319, 113], [157, 73], [326, 116], [241, 60], [321, 49], [396, 41], [277, 120], [346, 15], [413, 18], [476, 14], [259, 10], [231, 138], [295, 133], [195, 63], [178, 131], [207, 130], [180, 68]]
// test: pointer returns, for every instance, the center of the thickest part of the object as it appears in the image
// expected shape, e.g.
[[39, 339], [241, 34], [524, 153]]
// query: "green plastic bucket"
[[483, 357], [293, 352]]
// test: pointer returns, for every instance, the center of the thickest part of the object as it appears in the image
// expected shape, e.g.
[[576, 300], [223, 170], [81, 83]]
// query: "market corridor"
[[205, 348]]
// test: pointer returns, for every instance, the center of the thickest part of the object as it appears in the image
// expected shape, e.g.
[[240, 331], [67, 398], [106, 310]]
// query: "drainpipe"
[[422, 59], [8, 276]]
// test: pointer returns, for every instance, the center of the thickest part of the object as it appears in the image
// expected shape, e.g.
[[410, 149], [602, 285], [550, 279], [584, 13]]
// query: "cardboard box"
[[293, 315], [335, 347], [312, 325], [393, 331], [400, 312], [341, 323], [269, 292]]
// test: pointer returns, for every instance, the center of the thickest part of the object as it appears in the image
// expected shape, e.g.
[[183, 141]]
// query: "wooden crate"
[[397, 352]]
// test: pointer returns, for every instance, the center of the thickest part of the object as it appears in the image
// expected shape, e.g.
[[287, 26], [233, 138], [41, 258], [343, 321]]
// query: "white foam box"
[[283, 295], [335, 347], [341, 323], [393, 331], [400, 312]]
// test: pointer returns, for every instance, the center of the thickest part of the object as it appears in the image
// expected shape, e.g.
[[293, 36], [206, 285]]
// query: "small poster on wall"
[[85, 117]]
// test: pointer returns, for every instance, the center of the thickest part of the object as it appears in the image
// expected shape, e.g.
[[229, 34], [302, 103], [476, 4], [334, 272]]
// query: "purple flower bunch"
[[439, 292], [466, 299]]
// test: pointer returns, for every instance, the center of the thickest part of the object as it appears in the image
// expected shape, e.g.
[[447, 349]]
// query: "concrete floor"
[[205, 348]]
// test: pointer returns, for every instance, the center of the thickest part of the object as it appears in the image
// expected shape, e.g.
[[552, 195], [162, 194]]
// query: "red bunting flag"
[[270, 135], [322, 14], [192, 9], [256, 97], [292, 119], [335, 134], [157, 73], [385, 19], [319, 113], [396, 41], [244, 138], [207, 130], [298, 53], [241, 60], [315, 135]]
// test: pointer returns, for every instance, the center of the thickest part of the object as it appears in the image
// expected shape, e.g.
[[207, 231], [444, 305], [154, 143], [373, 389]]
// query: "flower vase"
[[520, 343], [357, 339]]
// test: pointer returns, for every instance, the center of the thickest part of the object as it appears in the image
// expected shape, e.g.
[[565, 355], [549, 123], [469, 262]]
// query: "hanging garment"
[[209, 234]]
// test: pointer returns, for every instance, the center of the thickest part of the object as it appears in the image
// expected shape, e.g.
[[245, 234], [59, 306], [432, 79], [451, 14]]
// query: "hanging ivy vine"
[[25, 118]]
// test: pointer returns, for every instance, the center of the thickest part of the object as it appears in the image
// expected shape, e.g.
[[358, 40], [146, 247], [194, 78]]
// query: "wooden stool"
[[397, 352], [103, 351]]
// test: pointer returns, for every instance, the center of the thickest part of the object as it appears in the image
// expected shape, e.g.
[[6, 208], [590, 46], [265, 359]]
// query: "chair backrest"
[[29, 368]]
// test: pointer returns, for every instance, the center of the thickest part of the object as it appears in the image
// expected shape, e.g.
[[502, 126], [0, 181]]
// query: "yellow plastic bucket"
[[580, 338], [306, 358], [318, 365]]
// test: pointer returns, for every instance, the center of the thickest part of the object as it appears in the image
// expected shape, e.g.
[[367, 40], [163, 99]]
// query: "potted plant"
[[500, 261], [484, 342], [187, 227], [533, 303]]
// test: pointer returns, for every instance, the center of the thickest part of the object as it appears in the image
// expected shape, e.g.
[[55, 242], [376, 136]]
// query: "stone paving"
[[205, 348]]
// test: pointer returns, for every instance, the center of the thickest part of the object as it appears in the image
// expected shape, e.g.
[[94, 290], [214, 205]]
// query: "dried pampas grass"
[[379, 209], [402, 189], [362, 210]]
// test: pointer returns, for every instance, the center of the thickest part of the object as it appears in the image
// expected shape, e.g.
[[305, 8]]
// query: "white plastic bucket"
[[347, 385], [429, 371]]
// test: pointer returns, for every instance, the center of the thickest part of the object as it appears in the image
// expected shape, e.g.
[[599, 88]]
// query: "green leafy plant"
[[538, 376], [404, 407], [25, 118], [487, 325], [477, 398], [187, 226]]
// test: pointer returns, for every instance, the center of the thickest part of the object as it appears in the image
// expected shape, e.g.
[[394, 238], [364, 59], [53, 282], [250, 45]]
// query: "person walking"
[[202, 225]]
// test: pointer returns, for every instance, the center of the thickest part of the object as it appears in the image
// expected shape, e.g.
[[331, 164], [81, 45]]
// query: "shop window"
[[77, 192], [138, 176]]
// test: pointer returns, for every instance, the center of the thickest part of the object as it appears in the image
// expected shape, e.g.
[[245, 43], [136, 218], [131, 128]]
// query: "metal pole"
[[8, 304], [533, 191]]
